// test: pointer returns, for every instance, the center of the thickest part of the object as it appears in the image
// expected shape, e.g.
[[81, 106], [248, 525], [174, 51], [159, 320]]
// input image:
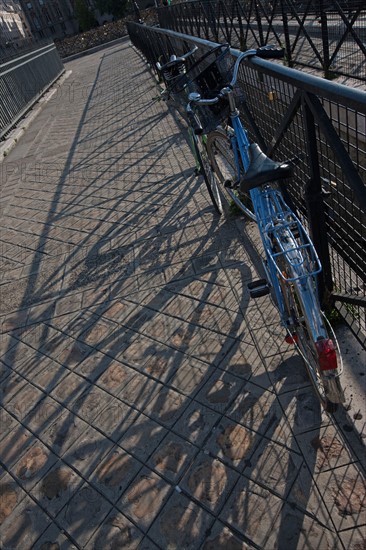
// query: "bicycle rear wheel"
[[314, 338], [224, 165], [205, 169]]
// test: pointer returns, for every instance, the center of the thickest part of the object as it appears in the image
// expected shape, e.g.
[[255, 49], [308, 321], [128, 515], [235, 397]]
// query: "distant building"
[[37, 19], [13, 25], [50, 18]]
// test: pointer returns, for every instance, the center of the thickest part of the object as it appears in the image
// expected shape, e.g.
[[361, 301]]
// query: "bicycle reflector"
[[291, 338], [326, 354]]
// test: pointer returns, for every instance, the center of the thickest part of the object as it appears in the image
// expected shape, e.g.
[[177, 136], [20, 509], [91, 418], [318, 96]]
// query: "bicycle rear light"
[[326, 354], [291, 338]]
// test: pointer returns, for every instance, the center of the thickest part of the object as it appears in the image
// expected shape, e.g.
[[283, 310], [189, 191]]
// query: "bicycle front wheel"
[[205, 169], [226, 170]]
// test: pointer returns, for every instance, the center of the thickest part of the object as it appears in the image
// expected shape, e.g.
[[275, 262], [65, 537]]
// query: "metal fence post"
[[210, 10], [286, 33], [325, 38], [259, 23], [315, 206]]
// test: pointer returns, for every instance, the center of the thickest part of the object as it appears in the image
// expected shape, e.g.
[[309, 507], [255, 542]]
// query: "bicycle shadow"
[[53, 419]]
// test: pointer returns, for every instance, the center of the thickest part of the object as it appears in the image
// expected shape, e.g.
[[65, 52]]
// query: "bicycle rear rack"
[[287, 242], [292, 246]]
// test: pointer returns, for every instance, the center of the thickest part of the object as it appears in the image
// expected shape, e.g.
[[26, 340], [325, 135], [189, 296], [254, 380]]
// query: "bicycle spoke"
[[204, 164]]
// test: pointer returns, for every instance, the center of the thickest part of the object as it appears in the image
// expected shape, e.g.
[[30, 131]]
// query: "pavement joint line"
[[44, 509]]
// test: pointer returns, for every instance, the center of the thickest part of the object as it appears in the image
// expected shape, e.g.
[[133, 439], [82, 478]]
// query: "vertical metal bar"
[[259, 23], [242, 45], [286, 34], [315, 205], [325, 38], [214, 13]]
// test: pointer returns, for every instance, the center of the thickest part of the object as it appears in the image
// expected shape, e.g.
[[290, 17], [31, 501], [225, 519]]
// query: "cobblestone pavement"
[[147, 401]]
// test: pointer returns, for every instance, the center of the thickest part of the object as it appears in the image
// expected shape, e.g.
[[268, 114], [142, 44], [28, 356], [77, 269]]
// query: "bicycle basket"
[[175, 78], [207, 76]]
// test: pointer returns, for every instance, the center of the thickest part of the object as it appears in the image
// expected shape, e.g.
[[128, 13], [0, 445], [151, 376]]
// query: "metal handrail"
[[354, 97], [23, 80]]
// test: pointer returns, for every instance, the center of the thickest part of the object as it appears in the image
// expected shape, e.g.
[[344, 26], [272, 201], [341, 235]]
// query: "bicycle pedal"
[[258, 288], [230, 184]]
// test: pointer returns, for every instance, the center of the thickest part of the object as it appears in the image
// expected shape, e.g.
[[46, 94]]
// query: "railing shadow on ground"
[[69, 396], [96, 351]]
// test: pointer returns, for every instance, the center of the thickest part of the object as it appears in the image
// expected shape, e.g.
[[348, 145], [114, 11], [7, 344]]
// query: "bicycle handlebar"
[[267, 52], [174, 60], [192, 51]]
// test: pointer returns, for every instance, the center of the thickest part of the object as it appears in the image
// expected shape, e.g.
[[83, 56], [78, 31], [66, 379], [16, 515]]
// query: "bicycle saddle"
[[262, 169]]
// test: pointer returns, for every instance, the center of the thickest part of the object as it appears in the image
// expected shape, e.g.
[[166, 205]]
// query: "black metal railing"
[[23, 79], [291, 113], [329, 35], [12, 50]]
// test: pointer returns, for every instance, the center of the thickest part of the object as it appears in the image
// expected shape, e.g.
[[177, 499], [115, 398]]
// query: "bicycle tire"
[[224, 166], [327, 386], [205, 169]]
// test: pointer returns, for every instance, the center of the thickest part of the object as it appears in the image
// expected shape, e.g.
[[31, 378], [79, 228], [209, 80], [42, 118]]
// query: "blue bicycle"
[[237, 170]]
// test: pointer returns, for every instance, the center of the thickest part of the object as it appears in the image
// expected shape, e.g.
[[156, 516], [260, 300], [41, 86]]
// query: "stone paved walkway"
[[147, 401]]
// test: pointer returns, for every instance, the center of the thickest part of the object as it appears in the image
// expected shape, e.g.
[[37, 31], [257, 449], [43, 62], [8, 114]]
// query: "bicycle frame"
[[276, 222]]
